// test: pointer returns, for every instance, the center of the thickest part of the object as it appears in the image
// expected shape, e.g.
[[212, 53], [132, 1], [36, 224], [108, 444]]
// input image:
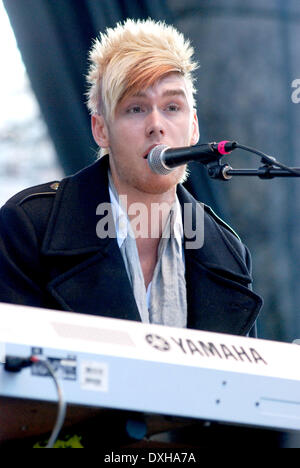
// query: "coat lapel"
[[217, 277], [97, 286]]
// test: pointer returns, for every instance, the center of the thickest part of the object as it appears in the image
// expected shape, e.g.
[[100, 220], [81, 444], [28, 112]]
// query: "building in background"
[[27, 155]]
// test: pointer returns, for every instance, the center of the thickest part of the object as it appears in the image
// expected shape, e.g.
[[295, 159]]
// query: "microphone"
[[162, 159]]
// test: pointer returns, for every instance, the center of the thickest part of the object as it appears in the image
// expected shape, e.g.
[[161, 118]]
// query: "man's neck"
[[147, 212]]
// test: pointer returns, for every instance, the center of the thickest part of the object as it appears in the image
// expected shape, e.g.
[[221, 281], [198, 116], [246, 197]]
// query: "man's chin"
[[160, 184]]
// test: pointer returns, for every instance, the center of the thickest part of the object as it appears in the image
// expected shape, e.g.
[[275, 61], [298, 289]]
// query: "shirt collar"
[[123, 227]]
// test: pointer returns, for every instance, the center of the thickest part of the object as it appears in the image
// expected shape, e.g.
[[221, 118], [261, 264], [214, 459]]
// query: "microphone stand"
[[267, 171], [226, 172]]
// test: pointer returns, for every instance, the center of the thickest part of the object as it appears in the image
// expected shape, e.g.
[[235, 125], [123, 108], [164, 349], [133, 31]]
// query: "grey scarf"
[[167, 304]]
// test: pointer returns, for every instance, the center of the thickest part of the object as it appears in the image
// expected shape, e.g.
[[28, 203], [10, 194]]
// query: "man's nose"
[[155, 124]]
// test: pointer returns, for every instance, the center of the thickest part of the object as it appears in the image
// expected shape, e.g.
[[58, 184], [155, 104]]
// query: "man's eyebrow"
[[174, 92], [166, 93]]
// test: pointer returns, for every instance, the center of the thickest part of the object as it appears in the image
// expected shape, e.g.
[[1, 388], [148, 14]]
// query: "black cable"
[[268, 159]]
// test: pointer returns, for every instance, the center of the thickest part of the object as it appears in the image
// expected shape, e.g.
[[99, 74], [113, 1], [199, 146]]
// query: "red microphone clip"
[[221, 147]]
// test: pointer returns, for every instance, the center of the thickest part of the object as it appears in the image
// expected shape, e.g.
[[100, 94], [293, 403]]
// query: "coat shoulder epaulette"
[[38, 191], [220, 221]]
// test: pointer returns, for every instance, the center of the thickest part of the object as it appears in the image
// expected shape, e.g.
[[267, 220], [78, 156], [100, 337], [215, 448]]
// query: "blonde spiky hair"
[[133, 56]]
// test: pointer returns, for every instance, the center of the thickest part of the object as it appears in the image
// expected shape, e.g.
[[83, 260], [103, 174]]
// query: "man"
[[57, 246]]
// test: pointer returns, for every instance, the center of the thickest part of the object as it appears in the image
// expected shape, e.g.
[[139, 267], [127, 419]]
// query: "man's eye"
[[134, 110], [173, 107]]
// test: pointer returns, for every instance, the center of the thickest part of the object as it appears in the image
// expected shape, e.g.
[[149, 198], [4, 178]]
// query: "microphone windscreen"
[[155, 160]]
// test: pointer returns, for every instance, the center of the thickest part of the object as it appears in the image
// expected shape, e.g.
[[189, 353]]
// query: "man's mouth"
[[149, 149]]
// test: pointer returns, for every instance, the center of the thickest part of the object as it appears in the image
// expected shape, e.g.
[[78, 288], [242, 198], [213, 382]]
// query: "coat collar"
[[222, 250]]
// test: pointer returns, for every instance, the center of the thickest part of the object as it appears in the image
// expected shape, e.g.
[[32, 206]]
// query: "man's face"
[[162, 114]]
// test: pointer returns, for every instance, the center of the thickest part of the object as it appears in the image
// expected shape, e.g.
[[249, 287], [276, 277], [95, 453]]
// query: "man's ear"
[[195, 130], [100, 130]]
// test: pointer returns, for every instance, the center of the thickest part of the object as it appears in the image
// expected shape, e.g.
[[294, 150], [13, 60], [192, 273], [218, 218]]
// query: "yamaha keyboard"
[[123, 365]]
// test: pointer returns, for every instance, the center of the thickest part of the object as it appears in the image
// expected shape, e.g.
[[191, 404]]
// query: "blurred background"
[[249, 58]]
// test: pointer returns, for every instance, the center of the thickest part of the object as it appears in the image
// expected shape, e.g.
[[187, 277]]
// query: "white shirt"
[[123, 227]]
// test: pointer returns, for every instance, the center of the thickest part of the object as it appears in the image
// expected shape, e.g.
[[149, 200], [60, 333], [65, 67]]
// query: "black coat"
[[50, 256]]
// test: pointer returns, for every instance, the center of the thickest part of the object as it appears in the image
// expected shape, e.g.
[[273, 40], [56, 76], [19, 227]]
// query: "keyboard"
[[123, 365]]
